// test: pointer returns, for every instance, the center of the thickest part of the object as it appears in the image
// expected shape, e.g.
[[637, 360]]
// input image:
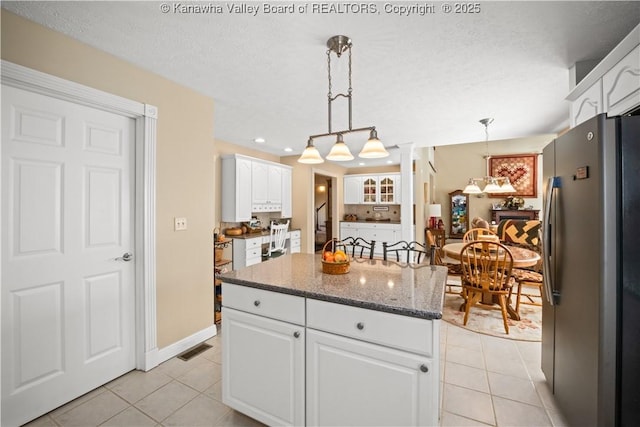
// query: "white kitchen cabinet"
[[294, 241], [287, 210], [380, 232], [352, 190], [266, 187], [372, 189], [246, 252], [588, 105], [612, 86], [263, 357], [236, 179], [356, 375], [621, 85]]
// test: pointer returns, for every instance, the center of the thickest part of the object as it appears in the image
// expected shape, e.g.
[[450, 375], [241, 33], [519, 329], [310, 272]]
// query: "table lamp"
[[435, 212]]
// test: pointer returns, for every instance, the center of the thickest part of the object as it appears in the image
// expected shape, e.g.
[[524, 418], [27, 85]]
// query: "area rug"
[[488, 319]]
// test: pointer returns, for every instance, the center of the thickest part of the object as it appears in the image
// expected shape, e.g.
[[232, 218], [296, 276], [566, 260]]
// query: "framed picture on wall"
[[521, 169]]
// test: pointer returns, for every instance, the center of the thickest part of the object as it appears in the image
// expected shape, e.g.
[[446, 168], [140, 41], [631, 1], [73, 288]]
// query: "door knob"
[[128, 256]]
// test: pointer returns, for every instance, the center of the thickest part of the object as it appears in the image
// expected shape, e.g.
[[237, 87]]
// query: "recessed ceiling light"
[[361, 163], [389, 161], [288, 149], [259, 140]]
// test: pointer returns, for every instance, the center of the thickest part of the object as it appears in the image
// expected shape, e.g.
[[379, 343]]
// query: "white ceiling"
[[425, 80]]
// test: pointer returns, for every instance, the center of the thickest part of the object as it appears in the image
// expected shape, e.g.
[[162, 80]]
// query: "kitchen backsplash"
[[367, 211]]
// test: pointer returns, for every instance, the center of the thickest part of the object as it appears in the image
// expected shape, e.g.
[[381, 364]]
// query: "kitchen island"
[[305, 348]]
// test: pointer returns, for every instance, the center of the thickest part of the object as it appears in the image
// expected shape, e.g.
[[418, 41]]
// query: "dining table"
[[521, 258]]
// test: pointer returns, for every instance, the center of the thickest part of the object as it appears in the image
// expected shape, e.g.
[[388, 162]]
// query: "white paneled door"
[[68, 314]]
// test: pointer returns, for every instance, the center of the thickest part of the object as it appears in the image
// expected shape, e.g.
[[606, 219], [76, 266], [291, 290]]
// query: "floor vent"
[[193, 352]]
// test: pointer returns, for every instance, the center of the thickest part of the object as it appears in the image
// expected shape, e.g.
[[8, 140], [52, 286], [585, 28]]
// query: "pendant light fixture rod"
[[342, 132]]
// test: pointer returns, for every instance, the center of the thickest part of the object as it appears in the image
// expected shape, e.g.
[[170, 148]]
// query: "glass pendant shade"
[[373, 149], [310, 155], [472, 188], [507, 187], [492, 187], [340, 152]]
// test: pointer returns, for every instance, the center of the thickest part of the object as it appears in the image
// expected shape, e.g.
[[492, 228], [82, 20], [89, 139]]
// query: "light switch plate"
[[180, 224]]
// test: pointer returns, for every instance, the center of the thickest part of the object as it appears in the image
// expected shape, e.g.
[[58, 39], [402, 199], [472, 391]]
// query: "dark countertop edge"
[[427, 315]]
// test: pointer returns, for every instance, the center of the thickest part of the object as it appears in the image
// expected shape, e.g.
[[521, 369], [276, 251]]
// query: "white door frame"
[[145, 116]]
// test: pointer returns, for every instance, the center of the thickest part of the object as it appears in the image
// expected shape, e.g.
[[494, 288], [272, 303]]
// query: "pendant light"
[[310, 155], [373, 149], [495, 185]]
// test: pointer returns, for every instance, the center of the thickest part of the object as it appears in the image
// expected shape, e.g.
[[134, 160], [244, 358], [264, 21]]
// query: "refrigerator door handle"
[[554, 182]]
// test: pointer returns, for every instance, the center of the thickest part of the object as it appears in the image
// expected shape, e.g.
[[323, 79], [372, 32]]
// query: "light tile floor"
[[484, 381]]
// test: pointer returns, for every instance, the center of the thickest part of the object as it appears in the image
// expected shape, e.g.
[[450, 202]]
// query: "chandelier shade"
[[340, 152], [310, 155], [373, 149]]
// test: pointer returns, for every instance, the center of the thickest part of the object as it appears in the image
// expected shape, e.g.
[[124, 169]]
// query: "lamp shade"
[[435, 210], [507, 187], [373, 149], [340, 152], [310, 155], [472, 188]]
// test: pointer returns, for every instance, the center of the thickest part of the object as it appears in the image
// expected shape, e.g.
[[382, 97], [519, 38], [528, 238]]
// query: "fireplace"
[[498, 215]]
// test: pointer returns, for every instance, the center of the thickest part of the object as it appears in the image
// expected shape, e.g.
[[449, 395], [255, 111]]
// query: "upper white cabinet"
[[266, 188], [352, 190], [287, 209], [236, 179], [588, 105], [613, 86], [372, 189], [621, 85], [253, 185]]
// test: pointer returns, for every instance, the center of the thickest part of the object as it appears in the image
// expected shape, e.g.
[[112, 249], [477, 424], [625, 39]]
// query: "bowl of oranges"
[[334, 261]]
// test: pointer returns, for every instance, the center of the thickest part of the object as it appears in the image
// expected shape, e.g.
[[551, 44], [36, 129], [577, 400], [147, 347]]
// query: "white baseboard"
[[178, 347]]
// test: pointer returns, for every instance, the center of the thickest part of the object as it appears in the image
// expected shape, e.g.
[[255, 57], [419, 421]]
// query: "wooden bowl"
[[233, 231]]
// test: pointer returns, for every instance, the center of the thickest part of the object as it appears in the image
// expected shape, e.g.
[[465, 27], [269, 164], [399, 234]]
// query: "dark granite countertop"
[[399, 288]]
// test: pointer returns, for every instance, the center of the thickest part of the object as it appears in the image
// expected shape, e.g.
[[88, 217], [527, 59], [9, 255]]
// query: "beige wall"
[[455, 164], [303, 196], [185, 169]]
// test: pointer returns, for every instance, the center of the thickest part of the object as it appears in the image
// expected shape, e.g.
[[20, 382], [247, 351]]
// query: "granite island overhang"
[[400, 288], [300, 347]]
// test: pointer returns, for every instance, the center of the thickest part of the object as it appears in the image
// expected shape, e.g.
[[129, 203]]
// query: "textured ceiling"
[[425, 79]]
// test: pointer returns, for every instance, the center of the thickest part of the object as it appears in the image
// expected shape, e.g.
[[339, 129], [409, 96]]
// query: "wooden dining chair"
[[486, 269], [357, 247], [403, 251], [453, 269], [477, 233]]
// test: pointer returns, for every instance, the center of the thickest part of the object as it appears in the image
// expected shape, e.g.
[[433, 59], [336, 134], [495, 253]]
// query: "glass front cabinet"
[[458, 213], [370, 189], [382, 189]]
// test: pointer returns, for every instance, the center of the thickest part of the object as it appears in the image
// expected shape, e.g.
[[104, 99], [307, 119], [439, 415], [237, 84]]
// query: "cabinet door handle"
[[296, 334], [360, 325], [424, 368], [256, 303]]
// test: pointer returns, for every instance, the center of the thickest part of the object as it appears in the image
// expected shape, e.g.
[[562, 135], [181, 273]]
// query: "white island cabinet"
[[263, 355], [304, 348], [359, 371]]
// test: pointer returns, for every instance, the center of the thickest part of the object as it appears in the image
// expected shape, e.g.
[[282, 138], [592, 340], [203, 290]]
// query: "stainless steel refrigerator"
[[591, 252]]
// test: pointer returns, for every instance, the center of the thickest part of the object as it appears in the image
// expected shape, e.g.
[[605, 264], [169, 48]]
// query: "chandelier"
[[498, 184], [373, 149]]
